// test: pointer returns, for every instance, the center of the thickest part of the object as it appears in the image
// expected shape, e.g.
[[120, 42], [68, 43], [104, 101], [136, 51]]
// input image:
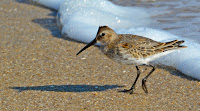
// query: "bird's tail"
[[175, 44]]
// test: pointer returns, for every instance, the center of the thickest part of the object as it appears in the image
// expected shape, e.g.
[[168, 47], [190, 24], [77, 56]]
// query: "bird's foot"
[[127, 91]]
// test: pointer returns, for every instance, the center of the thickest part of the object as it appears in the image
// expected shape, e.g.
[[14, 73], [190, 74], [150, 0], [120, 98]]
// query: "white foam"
[[80, 19]]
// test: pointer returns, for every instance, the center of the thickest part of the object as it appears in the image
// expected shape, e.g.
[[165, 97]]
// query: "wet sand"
[[39, 70]]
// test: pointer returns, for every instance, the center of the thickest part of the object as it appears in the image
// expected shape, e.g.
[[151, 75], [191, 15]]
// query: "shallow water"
[[179, 17]]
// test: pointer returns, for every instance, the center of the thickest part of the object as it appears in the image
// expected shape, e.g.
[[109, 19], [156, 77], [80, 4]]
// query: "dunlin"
[[132, 50]]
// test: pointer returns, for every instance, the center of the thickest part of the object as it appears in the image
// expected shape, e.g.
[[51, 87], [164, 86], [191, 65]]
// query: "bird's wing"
[[141, 47]]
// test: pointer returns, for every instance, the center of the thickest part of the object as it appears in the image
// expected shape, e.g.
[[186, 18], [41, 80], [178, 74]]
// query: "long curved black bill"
[[88, 45]]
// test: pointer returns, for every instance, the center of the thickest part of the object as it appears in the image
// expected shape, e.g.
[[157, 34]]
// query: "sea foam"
[[80, 19]]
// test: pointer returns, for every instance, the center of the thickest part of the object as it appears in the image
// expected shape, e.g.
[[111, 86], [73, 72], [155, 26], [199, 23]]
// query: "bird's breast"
[[118, 56]]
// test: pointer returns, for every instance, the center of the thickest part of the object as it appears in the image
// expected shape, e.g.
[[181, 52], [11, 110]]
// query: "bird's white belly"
[[129, 60]]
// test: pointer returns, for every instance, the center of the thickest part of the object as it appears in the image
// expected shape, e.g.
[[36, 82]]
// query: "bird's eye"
[[103, 34]]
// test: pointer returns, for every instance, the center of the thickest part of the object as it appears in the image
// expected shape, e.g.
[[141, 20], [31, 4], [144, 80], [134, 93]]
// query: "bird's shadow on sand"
[[68, 88]]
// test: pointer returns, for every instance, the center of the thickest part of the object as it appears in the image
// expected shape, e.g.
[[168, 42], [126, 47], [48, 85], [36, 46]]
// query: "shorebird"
[[132, 50]]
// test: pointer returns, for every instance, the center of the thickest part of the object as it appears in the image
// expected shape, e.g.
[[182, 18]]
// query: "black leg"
[[144, 80], [133, 86]]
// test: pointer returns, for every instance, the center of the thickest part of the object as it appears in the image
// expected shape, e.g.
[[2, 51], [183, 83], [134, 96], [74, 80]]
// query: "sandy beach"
[[39, 70]]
